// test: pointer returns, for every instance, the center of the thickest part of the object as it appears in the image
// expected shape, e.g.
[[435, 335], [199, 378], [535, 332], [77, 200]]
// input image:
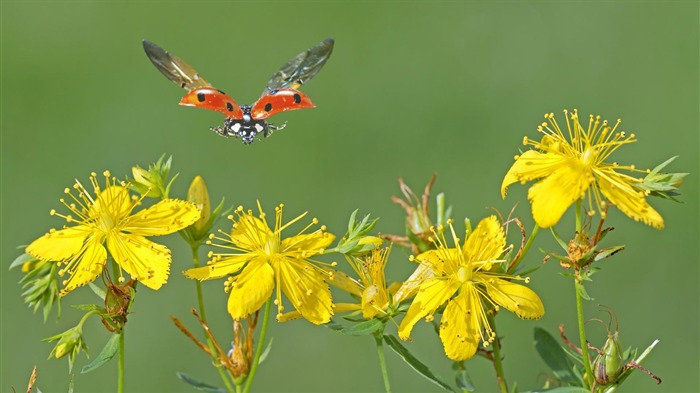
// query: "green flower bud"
[[199, 195], [608, 366], [70, 343], [151, 182]]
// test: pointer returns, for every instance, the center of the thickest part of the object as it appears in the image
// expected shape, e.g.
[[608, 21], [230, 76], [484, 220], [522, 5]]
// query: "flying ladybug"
[[246, 121]]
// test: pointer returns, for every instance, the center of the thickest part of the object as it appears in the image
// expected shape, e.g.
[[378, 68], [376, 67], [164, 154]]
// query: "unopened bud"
[[199, 195]]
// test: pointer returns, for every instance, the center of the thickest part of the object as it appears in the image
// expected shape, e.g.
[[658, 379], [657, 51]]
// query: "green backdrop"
[[413, 88]]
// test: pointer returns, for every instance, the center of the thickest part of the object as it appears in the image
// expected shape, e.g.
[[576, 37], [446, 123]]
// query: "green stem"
[[202, 313], [578, 216], [497, 363], [120, 368], [382, 362], [528, 243], [582, 332], [259, 349], [120, 362]]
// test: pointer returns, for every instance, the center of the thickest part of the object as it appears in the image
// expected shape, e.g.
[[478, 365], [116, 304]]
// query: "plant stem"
[[497, 363], [120, 360], [120, 368], [528, 243], [382, 362], [259, 349], [202, 313], [582, 332]]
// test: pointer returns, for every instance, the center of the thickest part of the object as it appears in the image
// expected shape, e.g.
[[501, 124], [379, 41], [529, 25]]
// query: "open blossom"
[[105, 221], [263, 262], [571, 165], [467, 278]]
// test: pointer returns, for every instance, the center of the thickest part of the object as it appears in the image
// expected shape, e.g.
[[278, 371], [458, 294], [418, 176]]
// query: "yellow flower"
[[572, 164], [371, 289], [106, 219], [470, 272], [262, 261]]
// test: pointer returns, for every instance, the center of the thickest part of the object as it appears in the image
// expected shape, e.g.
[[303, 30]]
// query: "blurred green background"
[[413, 88]]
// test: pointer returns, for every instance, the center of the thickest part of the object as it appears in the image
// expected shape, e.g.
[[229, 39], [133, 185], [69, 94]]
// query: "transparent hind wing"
[[174, 68], [301, 68]]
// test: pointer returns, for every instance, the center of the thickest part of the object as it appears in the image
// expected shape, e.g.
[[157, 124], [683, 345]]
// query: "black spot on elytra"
[[201, 97], [268, 107], [229, 106], [297, 98]]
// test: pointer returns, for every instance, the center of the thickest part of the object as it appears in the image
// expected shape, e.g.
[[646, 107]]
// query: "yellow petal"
[[459, 327], [343, 281], [59, 245], [144, 260], [252, 289], [311, 243], [519, 299], [220, 268], [250, 232], [431, 295], [618, 189], [551, 196], [344, 307], [410, 287], [113, 200], [166, 216], [305, 288], [374, 301], [486, 242], [531, 165], [86, 265]]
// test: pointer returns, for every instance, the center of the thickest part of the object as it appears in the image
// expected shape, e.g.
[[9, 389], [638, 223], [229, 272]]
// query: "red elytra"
[[280, 101], [214, 100], [245, 121]]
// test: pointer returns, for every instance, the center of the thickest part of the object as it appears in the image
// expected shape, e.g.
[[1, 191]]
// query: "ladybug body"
[[246, 121]]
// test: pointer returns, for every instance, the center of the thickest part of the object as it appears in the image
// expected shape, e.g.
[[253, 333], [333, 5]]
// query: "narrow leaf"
[[108, 352], [415, 364], [554, 356], [266, 352], [464, 382], [21, 260], [97, 290], [199, 385], [563, 389], [364, 328]]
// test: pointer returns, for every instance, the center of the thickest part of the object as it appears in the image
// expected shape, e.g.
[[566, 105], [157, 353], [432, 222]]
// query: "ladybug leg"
[[219, 130], [271, 127]]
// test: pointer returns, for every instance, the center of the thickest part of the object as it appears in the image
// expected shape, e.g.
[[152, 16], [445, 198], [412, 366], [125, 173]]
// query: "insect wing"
[[302, 67], [214, 100], [173, 67], [278, 101]]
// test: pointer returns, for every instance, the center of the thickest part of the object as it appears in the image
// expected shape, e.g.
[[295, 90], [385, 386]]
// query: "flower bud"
[[199, 195], [151, 182], [70, 343], [608, 366]]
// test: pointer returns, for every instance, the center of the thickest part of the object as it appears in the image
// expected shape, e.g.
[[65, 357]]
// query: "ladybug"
[[246, 121]]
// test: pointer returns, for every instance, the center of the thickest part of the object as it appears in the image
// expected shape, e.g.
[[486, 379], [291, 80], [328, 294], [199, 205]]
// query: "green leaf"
[[199, 385], [583, 293], [90, 307], [364, 328], [415, 364], [564, 245], [21, 260], [608, 252], [464, 382], [108, 352], [563, 389], [554, 356], [97, 290], [333, 325], [266, 352]]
